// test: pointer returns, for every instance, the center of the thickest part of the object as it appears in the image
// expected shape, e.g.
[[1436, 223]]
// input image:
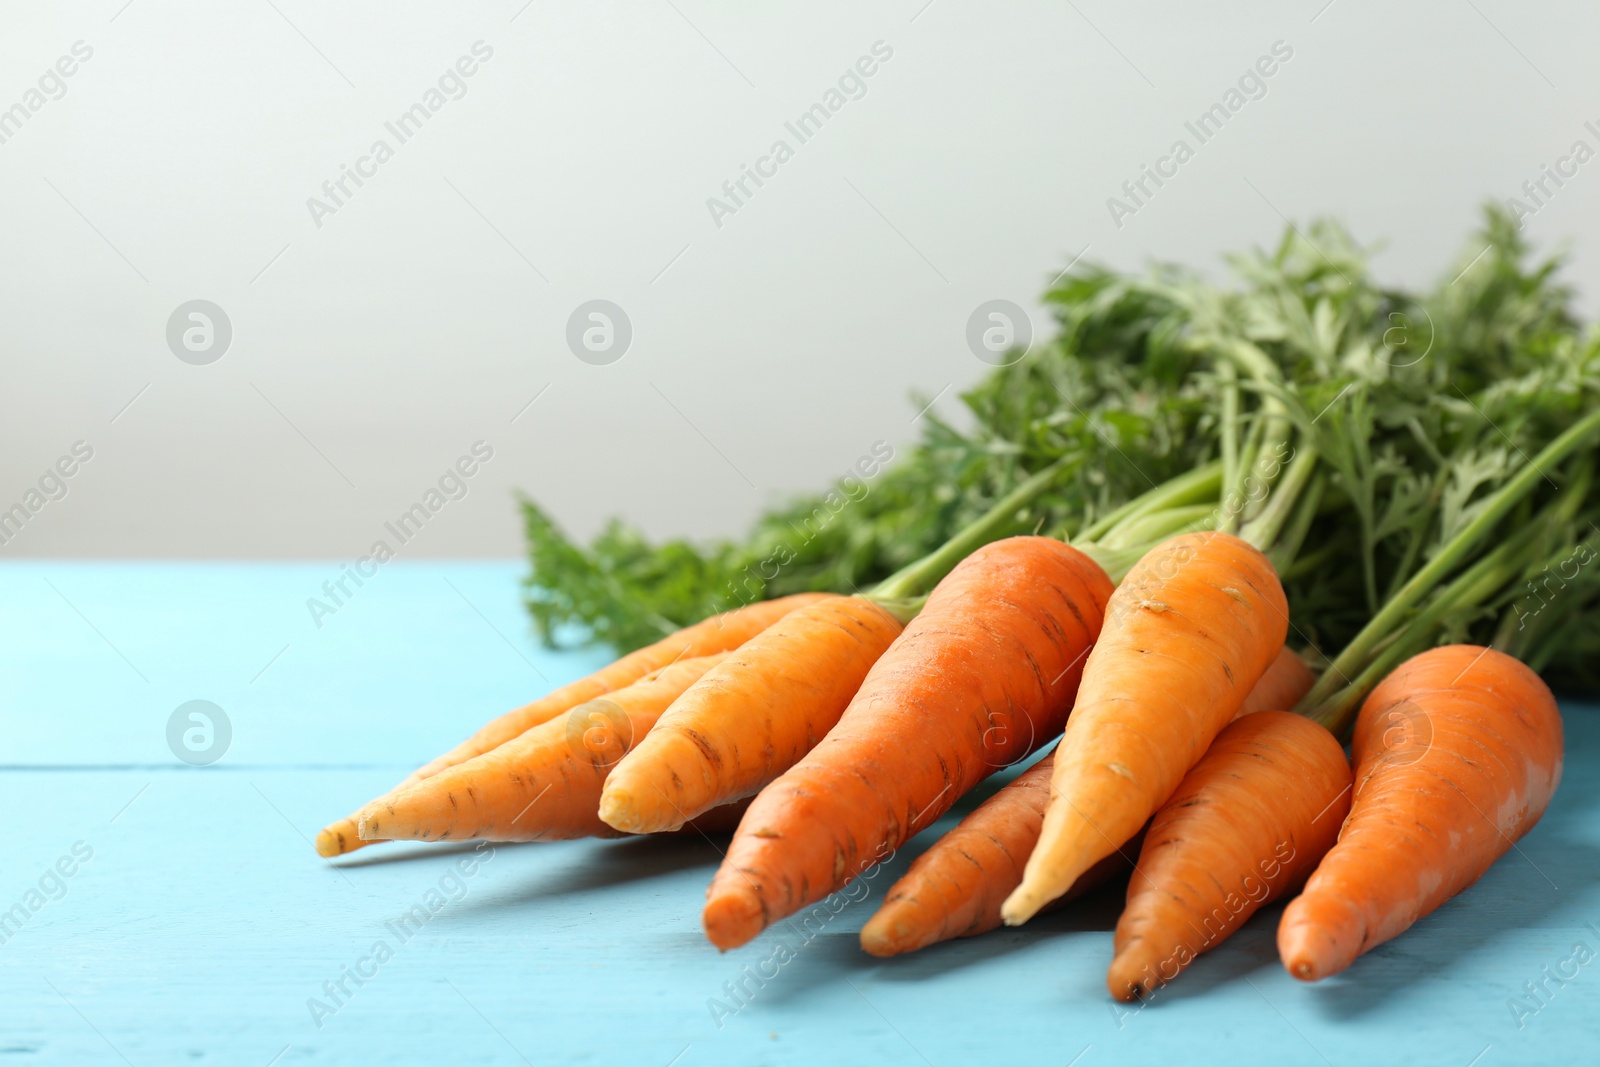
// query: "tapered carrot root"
[[1286, 681], [1244, 828], [956, 887], [719, 633], [984, 674], [1458, 752], [543, 785], [1187, 634], [751, 718]]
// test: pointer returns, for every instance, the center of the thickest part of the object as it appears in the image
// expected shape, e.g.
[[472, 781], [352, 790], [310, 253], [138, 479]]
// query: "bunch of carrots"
[[1198, 734]]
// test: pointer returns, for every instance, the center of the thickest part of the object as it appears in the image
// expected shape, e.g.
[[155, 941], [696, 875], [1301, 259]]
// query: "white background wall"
[[369, 352]]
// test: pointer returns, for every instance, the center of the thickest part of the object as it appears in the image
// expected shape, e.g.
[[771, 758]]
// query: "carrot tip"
[[893, 932], [732, 919], [329, 843], [618, 811], [876, 941], [338, 838], [1130, 978], [1019, 907]]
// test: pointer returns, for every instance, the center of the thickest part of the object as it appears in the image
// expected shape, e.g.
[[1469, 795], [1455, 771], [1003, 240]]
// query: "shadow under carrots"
[[595, 864], [1095, 913], [385, 852], [1516, 895], [1557, 861]]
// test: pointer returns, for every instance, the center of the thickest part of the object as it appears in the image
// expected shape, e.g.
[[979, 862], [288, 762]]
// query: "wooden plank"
[[203, 928]]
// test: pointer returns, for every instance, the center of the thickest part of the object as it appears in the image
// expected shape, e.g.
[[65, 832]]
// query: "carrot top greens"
[[1418, 466]]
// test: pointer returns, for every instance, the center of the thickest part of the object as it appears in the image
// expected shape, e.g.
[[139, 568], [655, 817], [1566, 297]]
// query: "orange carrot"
[[543, 785], [977, 680], [1457, 752], [751, 718], [1286, 681], [1190, 630], [1245, 827], [719, 633], [955, 888]]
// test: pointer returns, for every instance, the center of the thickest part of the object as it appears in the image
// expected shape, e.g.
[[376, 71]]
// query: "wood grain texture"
[[204, 922]]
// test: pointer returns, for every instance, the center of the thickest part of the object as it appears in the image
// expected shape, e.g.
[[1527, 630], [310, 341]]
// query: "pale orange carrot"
[[719, 633], [544, 784], [750, 718], [1187, 634]]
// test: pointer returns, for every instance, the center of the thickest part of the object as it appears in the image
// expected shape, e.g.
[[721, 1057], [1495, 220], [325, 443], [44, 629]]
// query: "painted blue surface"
[[204, 923]]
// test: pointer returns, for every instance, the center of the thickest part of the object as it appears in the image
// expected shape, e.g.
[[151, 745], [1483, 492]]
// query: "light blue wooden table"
[[202, 925]]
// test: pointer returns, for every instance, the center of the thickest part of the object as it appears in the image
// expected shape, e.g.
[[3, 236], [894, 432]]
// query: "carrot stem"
[[1528, 640], [1352, 662], [1417, 532], [1287, 545], [1478, 581], [903, 592], [918, 578], [1273, 420], [1306, 564], [1247, 463], [1229, 373], [1144, 530], [1263, 530], [1192, 487]]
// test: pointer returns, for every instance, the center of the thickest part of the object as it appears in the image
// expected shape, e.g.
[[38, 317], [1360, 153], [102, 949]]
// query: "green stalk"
[[1118, 561], [904, 608], [1275, 437], [1416, 532], [1518, 640], [1158, 525], [1273, 423], [1191, 487], [1234, 502], [1250, 359], [903, 592], [1287, 546], [1471, 587], [1249, 455], [1263, 530], [1526, 647], [917, 578], [1353, 660], [1303, 565], [1229, 374]]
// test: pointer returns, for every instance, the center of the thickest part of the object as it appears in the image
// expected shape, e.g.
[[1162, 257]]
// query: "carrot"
[[1458, 752], [719, 633], [1190, 630], [955, 888], [543, 785], [1286, 681], [751, 718], [1245, 827], [977, 680]]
